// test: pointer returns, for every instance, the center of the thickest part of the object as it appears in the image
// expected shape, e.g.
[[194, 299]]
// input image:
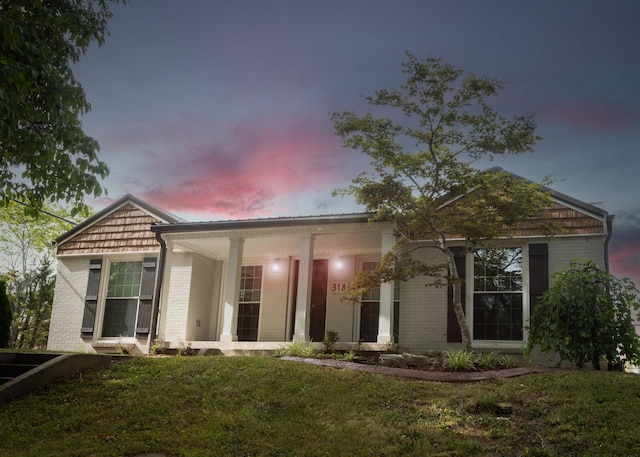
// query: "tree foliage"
[[27, 256], [424, 141], [44, 153], [587, 315]]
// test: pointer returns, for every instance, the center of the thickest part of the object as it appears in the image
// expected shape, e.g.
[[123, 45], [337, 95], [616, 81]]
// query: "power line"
[[44, 211]]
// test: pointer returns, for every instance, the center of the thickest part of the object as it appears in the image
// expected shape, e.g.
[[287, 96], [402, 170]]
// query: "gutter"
[[155, 307]]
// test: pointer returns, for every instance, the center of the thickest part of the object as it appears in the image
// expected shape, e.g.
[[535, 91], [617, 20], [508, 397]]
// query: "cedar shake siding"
[[125, 230]]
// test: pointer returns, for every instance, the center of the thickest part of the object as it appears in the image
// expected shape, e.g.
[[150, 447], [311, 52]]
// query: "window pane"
[[497, 316], [124, 279], [119, 317], [498, 269]]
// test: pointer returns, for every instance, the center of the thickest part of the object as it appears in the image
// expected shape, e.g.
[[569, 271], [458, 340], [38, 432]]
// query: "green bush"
[[459, 360], [587, 316], [330, 340], [297, 349], [487, 360]]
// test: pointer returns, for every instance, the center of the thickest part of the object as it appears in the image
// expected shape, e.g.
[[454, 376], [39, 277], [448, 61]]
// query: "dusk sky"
[[222, 109]]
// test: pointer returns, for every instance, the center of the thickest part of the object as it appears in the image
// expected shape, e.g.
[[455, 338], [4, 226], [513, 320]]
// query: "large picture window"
[[497, 294], [249, 303], [121, 305]]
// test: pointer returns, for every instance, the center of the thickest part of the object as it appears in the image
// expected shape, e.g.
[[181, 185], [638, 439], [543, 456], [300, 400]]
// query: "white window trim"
[[469, 292]]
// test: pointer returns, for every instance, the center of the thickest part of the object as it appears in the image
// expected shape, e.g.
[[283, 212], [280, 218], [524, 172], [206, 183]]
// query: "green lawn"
[[237, 406]]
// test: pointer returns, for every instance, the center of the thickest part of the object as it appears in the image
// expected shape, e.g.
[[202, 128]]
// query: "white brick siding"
[[68, 306]]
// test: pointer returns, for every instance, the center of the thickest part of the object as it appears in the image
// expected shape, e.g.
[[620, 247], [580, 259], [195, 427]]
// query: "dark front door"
[[318, 299]]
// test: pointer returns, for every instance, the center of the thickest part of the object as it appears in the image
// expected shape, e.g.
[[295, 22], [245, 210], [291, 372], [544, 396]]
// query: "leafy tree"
[[44, 153], [27, 255], [5, 316], [423, 141], [587, 315]]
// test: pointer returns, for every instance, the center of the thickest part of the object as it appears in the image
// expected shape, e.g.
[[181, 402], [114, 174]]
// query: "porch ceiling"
[[348, 243]]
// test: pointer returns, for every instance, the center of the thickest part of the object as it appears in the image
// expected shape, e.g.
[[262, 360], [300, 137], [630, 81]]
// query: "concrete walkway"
[[426, 375]]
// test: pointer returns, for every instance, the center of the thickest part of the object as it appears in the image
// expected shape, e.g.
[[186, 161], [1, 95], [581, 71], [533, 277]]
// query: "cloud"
[[624, 253], [252, 169], [604, 117]]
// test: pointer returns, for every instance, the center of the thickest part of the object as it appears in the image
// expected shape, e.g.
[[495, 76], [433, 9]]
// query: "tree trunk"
[[456, 283]]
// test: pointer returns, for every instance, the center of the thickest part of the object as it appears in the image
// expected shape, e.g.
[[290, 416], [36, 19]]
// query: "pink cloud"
[[624, 255], [592, 115], [250, 172]]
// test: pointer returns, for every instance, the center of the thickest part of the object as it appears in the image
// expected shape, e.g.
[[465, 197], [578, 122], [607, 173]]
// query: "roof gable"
[[123, 226]]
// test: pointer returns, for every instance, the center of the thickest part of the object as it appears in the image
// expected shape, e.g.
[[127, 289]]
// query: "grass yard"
[[246, 406]]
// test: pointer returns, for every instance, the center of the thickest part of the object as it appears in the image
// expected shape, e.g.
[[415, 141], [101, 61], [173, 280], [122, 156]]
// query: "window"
[[121, 305], [370, 309], [249, 303], [497, 294]]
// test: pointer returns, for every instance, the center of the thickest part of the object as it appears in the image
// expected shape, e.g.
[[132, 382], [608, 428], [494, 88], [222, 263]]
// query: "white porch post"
[[303, 299], [385, 318], [231, 291]]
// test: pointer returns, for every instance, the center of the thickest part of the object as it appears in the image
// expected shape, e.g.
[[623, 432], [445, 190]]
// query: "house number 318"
[[339, 286]]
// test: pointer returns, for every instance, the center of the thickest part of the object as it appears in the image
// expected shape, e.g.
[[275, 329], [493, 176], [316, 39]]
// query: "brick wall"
[[68, 306]]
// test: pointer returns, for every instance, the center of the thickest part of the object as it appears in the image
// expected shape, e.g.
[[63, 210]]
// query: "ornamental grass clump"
[[459, 360], [297, 349], [487, 360]]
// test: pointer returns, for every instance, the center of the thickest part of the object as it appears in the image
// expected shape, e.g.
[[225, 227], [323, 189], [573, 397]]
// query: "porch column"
[[231, 291], [303, 299], [385, 318]]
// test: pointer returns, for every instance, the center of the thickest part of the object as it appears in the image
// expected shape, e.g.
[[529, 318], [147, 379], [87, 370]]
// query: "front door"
[[318, 299]]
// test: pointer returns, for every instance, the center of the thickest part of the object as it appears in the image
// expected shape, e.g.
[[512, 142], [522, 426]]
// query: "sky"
[[222, 109]]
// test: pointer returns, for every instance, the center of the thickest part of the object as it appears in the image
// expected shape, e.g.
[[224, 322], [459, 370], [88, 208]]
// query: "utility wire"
[[44, 211]]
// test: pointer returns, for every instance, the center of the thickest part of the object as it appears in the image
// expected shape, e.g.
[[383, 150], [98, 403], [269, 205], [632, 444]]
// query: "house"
[[135, 275]]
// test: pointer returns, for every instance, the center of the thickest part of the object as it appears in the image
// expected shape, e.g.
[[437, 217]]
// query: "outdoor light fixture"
[[275, 266], [339, 264]]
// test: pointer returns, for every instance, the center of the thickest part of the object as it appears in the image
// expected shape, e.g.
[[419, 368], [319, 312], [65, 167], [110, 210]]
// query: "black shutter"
[[147, 284], [91, 298], [538, 272], [454, 334]]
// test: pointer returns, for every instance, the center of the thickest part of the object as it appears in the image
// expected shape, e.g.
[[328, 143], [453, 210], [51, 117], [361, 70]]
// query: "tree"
[[27, 255], [424, 180], [587, 315], [44, 153], [5, 316]]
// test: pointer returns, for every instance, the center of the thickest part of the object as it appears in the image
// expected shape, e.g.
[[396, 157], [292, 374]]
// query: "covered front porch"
[[255, 285]]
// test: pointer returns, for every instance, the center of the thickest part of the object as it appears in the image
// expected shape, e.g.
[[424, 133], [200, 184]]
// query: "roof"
[[128, 198], [297, 221]]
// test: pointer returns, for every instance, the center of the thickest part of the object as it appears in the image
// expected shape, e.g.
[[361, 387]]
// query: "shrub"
[[507, 361], [458, 360], [585, 316], [349, 356], [487, 360], [297, 349], [330, 340]]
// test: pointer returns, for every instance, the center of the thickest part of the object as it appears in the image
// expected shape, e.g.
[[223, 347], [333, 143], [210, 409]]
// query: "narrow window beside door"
[[249, 303]]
